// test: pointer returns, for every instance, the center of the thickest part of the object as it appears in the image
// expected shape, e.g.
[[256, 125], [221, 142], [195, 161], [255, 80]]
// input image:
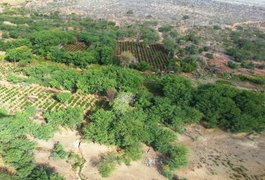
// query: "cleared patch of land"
[[200, 12], [215, 154]]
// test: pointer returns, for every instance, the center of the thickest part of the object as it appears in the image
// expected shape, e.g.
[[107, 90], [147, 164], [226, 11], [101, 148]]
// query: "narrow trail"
[[82, 165], [233, 26]]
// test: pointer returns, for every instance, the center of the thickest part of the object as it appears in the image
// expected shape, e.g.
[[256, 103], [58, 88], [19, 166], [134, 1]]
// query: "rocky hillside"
[[198, 12]]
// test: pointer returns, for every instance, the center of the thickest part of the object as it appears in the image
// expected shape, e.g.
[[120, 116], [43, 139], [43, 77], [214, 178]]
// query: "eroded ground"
[[92, 153], [215, 155]]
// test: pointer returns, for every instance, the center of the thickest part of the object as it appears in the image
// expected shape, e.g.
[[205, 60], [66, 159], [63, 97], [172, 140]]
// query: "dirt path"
[[233, 26]]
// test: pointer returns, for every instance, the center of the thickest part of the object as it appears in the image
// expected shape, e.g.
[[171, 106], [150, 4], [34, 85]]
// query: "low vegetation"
[[136, 108]]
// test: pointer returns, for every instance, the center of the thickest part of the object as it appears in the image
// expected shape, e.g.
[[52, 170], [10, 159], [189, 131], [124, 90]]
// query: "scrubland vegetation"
[[138, 108]]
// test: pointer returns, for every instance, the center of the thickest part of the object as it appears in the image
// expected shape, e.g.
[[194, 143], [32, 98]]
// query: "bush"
[[188, 65], [166, 28], [209, 55], [253, 78], [5, 35], [42, 41], [16, 150], [247, 65], [127, 58], [185, 17], [100, 79], [58, 152], [230, 108], [44, 132], [176, 157], [42, 172], [19, 54], [70, 117], [232, 65], [63, 97], [176, 88], [143, 66], [247, 45], [108, 164], [133, 152], [14, 78], [167, 172]]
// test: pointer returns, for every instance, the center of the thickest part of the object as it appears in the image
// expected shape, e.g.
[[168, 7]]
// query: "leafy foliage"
[[223, 106], [108, 164], [58, 152], [63, 97], [178, 89], [17, 150], [247, 45], [70, 117], [22, 53]]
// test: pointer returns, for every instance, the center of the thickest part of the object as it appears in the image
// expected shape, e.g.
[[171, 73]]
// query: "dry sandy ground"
[[13, 2], [214, 155], [218, 155], [92, 153]]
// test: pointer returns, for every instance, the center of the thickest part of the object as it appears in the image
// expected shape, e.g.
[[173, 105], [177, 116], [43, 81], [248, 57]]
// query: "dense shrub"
[[70, 117], [176, 157], [16, 150], [108, 164], [63, 97], [58, 152], [22, 53], [232, 65], [54, 76], [42, 172], [223, 106], [247, 65], [42, 41], [99, 79], [209, 55], [247, 45], [253, 78], [142, 66], [188, 64], [177, 88]]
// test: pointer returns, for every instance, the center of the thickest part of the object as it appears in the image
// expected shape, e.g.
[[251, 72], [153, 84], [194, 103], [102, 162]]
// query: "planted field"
[[17, 97], [6, 68], [155, 55], [79, 46]]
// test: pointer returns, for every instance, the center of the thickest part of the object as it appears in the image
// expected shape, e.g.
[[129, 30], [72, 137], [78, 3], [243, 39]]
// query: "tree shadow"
[[3, 115]]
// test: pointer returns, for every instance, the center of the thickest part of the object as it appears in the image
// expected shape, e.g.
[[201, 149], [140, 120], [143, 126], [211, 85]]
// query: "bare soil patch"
[[216, 155]]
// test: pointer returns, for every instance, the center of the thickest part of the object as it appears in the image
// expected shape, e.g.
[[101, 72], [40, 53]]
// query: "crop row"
[[155, 54], [17, 98], [6, 68], [78, 46]]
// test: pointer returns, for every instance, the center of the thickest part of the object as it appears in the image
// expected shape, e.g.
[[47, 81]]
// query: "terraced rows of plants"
[[16, 98], [6, 68], [156, 55], [78, 46]]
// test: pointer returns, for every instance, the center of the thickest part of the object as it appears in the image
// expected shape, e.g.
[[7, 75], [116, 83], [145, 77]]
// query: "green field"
[[154, 54]]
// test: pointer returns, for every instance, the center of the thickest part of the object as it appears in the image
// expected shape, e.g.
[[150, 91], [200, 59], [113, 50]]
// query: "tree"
[[127, 59], [188, 64], [22, 53], [122, 103], [149, 36], [63, 97], [111, 92], [100, 128], [177, 88], [170, 45], [70, 117]]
